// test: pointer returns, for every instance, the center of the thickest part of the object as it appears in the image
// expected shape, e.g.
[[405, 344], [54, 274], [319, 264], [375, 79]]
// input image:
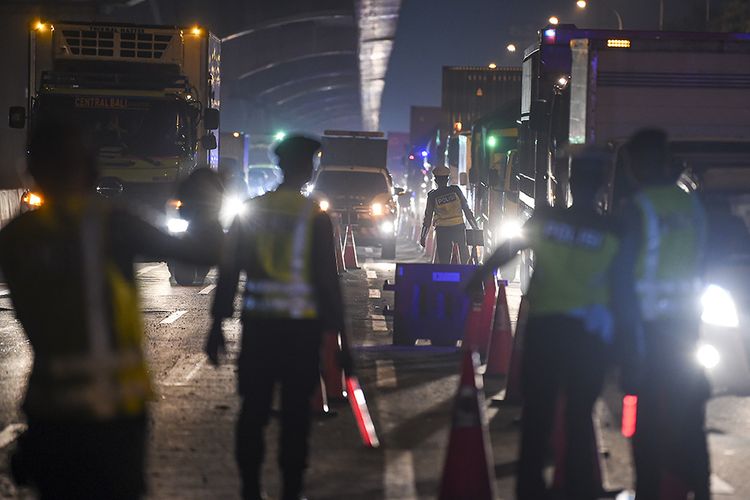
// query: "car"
[[363, 198]]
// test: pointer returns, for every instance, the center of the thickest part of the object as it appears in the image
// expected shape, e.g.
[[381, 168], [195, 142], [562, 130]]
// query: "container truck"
[[149, 95]]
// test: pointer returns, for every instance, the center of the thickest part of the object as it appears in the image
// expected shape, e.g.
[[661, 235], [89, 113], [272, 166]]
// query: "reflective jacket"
[[573, 256], [673, 227], [80, 311], [446, 207], [280, 283]]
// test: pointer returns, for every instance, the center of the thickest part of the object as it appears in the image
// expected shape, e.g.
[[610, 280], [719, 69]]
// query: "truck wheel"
[[389, 250]]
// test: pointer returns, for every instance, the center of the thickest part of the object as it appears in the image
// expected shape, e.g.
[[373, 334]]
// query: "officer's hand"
[[215, 343]]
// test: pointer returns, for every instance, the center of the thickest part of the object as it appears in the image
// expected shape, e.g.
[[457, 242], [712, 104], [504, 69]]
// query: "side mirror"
[[463, 179], [208, 142], [211, 119], [399, 191], [17, 117]]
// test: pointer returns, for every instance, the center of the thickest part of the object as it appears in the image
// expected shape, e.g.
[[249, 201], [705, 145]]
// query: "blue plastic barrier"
[[430, 303]]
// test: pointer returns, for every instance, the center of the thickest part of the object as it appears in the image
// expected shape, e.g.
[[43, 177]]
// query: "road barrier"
[[430, 303], [469, 466]]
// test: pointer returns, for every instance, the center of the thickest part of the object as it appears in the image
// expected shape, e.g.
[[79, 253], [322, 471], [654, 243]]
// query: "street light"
[[492, 66], [582, 4], [554, 20], [511, 47]]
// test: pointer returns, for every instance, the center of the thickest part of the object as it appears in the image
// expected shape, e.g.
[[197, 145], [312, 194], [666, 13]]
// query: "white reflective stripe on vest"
[[103, 358]]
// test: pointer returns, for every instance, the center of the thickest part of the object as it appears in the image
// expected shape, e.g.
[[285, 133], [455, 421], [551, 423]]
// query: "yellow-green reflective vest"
[[281, 284], [448, 209], [571, 266], [99, 372], [673, 243]]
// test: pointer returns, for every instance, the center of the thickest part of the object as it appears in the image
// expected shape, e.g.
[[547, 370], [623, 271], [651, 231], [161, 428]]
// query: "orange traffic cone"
[[429, 247], [350, 250], [513, 384], [455, 254], [501, 341], [479, 321], [333, 376], [469, 466], [340, 265]]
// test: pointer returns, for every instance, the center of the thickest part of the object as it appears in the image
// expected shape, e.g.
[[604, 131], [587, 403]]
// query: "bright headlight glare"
[[324, 205], [176, 225], [232, 207], [387, 227], [708, 356], [718, 307], [377, 209], [509, 229]]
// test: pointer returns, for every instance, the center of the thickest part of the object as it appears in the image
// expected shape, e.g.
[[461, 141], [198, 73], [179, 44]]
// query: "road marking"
[[720, 487], [145, 270], [172, 317], [374, 293], [4, 292], [207, 290], [368, 250], [398, 478], [378, 317], [385, 374], [379, 325], [186, 368], [11, 433], [372, 275]]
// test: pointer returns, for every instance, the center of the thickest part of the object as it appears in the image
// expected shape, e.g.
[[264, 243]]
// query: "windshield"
[[349, 183], [124, 125]]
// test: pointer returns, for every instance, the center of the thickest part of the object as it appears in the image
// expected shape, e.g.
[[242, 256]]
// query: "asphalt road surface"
[[410, 392]]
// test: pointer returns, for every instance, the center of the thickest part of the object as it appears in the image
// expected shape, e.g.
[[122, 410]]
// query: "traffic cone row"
[[479, 320], [333, 375], [469, 466], [501, 341], [350, 250], [337, 246], [513, 384]]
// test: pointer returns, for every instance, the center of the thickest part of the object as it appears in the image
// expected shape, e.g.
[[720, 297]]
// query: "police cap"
[[441, 171], [296, 147]]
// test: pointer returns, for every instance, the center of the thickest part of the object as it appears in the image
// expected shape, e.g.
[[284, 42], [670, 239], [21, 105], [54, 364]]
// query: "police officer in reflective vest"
[[446, 207], [578, 279], [669, 446], [69, 267], [284, 245]]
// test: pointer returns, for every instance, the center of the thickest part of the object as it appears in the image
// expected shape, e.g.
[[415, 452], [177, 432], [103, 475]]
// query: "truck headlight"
[[719, 308], [324, 205], [32, 199], [708, 356], [387, 227], [176, 225], [377, 209]]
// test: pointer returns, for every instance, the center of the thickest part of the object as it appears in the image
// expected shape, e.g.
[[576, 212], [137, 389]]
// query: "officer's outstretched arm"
[[427, 221], [504, 254]]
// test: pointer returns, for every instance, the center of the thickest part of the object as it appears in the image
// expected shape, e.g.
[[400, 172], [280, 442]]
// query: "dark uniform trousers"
[[559, 358], [445, 236], [285, 352], [669, 447]]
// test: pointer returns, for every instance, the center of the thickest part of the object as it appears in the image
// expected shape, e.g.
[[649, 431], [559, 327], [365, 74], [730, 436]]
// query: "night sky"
[[437, 33]]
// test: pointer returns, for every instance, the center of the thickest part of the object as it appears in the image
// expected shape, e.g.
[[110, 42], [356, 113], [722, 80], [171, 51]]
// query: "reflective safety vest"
[[281, 283], [448, 207], [673, 243], [99, 372], [571, 265]]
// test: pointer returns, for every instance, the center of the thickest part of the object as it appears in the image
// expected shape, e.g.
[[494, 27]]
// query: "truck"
[[149, 95], [352, 183], [586, 87]]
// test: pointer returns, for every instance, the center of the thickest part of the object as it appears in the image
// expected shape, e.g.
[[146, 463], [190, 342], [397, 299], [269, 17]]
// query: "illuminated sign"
[[108, 102], [618, 44]]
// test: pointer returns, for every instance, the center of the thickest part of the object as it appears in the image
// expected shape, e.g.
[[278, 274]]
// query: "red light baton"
[[361, 413], [629, 415]]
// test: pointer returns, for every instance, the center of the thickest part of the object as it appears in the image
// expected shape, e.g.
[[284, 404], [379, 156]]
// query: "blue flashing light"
[[424, 153], [549, 35]]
